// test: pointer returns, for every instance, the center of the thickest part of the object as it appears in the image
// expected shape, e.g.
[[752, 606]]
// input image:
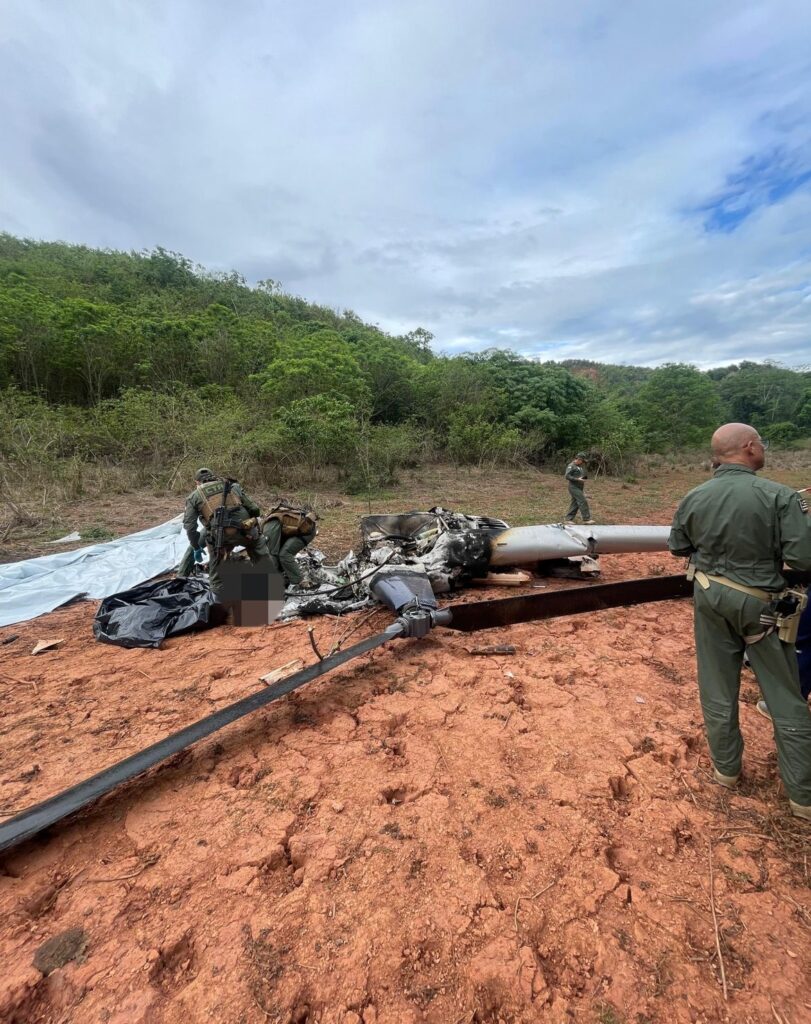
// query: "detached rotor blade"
[[593, 598]]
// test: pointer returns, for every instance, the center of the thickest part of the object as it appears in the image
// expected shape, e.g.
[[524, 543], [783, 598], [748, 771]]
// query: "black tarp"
[[150, 612]]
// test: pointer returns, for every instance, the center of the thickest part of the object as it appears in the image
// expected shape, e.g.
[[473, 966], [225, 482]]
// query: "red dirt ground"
[[424, 836]]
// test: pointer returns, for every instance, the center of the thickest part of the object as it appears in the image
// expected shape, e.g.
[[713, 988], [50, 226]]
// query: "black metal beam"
[[572, 601]]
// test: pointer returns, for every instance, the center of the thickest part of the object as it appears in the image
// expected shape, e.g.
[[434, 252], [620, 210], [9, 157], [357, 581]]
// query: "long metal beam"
[[554, 603]]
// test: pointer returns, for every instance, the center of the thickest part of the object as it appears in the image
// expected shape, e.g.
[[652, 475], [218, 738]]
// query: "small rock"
[[338, 806], [60, 950], [63, 993]]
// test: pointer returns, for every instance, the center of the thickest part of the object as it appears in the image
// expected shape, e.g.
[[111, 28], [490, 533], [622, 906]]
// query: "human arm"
[[795, 532], [247, 502], [679, 542], [190, 523]]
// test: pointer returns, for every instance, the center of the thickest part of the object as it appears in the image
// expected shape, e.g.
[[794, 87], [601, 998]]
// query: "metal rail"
[[554, 603]]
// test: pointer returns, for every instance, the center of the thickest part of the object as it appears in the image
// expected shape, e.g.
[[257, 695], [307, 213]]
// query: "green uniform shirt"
[[195, 501], [743, 527], [576, 474]]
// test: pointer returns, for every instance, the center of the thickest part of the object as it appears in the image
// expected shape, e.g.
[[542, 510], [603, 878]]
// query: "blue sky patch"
[[762, 180]]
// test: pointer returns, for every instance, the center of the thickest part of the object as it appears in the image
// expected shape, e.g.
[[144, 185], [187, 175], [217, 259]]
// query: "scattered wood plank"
[[492, 649], [503, 579], [282, 672]]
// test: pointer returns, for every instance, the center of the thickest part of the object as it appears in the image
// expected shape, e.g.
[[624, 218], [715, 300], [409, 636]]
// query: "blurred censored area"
[[251, 593]]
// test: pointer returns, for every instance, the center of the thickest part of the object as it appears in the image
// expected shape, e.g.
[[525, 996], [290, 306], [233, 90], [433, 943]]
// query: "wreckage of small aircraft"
[[451, 549]]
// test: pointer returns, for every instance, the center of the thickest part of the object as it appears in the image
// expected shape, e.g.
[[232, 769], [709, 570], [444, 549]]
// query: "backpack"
[[296, 520]]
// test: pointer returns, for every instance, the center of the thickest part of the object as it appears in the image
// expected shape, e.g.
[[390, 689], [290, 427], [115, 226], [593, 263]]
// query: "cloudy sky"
[[626, 182]]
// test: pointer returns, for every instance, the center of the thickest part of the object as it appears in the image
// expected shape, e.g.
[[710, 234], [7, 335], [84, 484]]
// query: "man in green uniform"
[[575, 475], [738, 531], [287, 530], [202, 503]]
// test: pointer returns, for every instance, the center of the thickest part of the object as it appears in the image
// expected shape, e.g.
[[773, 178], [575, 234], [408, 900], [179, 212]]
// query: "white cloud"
[[517, 174]]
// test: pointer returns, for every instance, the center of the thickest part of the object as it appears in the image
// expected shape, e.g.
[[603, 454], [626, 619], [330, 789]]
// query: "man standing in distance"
[[738, 530], [575, 475]]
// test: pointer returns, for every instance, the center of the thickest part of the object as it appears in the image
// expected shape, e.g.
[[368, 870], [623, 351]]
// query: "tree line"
[[146, 359]]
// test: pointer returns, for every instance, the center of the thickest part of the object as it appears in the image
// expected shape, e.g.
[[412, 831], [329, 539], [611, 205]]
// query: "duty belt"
[[775, 619], [704, 579]]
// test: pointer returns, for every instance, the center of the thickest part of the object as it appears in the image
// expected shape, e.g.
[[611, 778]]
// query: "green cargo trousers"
[[722, 618], [577, 504], [257, 552], [186, 566], [283, 552]]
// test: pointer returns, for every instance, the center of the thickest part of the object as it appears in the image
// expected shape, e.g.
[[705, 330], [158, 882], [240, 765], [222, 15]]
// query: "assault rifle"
[[219, 521]]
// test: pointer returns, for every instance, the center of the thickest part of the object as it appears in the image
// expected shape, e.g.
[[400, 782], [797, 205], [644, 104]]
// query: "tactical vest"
[[296, 520], [211, 493]]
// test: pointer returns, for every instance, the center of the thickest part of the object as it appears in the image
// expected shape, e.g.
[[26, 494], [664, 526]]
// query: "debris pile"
[[448, 548]]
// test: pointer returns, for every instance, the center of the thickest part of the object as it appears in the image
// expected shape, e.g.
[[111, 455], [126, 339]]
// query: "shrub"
[[475, 442], [380, 452], [782, 435]]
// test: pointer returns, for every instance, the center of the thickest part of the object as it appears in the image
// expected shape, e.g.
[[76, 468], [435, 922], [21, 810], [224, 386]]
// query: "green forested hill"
[[146, 359]]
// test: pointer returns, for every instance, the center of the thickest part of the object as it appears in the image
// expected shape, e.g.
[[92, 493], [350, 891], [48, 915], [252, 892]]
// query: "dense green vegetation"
[[146, 361]]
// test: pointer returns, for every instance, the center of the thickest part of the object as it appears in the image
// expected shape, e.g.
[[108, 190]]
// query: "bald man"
[[738, 531]]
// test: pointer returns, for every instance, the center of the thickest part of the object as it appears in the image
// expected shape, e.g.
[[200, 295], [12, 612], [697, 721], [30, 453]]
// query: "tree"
[[475, 439], [319, 431], [419, 341], [314, 364], [615, 439], [678, 407], [762, 394], [26, 326]]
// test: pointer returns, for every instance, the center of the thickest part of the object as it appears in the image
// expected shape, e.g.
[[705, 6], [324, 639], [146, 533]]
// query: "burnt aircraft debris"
[[451, 549]]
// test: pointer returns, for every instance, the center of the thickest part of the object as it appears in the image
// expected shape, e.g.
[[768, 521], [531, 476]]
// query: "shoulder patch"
[[804, 505]]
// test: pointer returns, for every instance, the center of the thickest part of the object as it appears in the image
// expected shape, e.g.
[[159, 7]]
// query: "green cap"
[[203, 474], [581, 455]]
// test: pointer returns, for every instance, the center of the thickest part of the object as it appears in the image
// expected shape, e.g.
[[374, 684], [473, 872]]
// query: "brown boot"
[[799, 811], [727, 781]]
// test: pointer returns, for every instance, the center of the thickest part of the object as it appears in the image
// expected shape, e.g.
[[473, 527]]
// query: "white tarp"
[[39, 585]]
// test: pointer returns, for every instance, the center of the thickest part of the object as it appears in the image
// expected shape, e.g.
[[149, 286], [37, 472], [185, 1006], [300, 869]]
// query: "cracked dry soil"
[[425, 835]]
